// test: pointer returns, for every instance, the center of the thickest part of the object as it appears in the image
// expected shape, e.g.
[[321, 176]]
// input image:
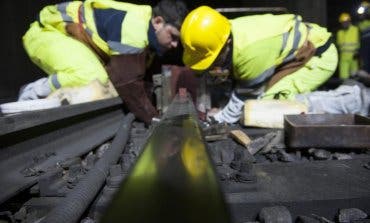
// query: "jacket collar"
[[153, 41]]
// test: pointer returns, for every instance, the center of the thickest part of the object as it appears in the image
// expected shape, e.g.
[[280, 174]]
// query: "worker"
[[270, 56], [348, 42], [364, 26], [77, 42]]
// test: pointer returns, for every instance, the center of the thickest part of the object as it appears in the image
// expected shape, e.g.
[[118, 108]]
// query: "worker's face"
[[218, 75], [345, 24], [219, 70], [168, 36]]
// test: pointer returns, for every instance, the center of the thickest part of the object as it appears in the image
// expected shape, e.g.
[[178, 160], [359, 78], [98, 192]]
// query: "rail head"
[[25, 120], [173, 179]]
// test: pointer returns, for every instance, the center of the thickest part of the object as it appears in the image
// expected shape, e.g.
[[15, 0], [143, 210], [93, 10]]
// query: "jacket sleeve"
[[126, 73]]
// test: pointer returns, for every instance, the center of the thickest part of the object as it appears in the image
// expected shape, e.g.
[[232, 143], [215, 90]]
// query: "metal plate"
[[327, 131]]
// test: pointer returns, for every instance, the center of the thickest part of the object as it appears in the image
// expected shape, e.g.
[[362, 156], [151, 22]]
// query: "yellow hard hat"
[[363, 8], [344, 17], [203, 34]]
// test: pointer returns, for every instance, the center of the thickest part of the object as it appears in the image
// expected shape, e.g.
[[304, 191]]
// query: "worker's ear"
[[158, 22]]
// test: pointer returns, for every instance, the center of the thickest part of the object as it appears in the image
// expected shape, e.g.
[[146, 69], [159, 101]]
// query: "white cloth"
[[231, 112], [35, 90]]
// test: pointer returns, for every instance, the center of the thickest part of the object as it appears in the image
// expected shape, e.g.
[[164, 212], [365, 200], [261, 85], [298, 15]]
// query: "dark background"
[[16, 69]]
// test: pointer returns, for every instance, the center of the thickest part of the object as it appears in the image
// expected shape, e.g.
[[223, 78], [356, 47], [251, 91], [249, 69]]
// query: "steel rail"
[[51, 136], [253, 9], [76, 202], [20, 121], [173, 179]]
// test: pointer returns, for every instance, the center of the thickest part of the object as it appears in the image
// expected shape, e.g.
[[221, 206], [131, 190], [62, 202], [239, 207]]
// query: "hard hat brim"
[[199, 62]]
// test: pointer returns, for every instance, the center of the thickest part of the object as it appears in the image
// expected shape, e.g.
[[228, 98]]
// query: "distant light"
[[361, 10]]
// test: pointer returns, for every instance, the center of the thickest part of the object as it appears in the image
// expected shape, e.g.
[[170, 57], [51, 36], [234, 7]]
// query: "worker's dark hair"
[[172, 11]]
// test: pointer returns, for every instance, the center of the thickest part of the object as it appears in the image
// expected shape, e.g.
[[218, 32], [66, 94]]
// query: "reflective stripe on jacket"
[[115, 27], [263, 42], [348, 40]]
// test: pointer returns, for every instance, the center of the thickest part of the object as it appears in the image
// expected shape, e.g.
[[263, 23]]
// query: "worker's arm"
[[126, 73]]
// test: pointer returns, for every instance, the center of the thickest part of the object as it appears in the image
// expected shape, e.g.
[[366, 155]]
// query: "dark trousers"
[[365, 52]]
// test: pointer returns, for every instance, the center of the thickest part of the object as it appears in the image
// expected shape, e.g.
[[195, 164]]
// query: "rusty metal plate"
[[327, 131]]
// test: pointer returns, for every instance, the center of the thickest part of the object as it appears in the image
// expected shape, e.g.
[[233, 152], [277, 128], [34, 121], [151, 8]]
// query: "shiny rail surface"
[[253, 9], [173, 180]]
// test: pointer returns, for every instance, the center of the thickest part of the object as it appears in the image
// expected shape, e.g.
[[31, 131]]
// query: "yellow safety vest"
[[115, 27], [263, 42], [348, 40]]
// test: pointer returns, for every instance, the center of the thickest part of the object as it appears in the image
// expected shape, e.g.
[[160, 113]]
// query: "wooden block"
[[240, 137]]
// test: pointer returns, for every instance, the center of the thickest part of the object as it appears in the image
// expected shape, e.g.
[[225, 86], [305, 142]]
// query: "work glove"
[[210, 116], [231, 112], [35, 90]]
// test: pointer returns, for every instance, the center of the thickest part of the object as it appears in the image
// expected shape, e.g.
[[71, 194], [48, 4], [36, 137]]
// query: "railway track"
[[47, 157]]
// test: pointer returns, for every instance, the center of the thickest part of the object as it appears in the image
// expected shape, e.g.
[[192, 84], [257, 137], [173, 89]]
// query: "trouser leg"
[[69, 62], [344, 68], [345, 99]]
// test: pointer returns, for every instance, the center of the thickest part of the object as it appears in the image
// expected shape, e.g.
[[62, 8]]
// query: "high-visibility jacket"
[[348, 40], [115, 27], [120, 34], [364, 27], [263, 42]]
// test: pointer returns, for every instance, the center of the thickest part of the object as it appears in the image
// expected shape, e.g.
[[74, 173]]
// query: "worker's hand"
[[218, 75], [213, 111], [231, 112], [210, 115], [35, 90]]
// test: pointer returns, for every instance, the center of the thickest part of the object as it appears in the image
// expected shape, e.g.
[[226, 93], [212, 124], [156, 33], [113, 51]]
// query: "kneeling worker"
[[273, 56], [78, 42]]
